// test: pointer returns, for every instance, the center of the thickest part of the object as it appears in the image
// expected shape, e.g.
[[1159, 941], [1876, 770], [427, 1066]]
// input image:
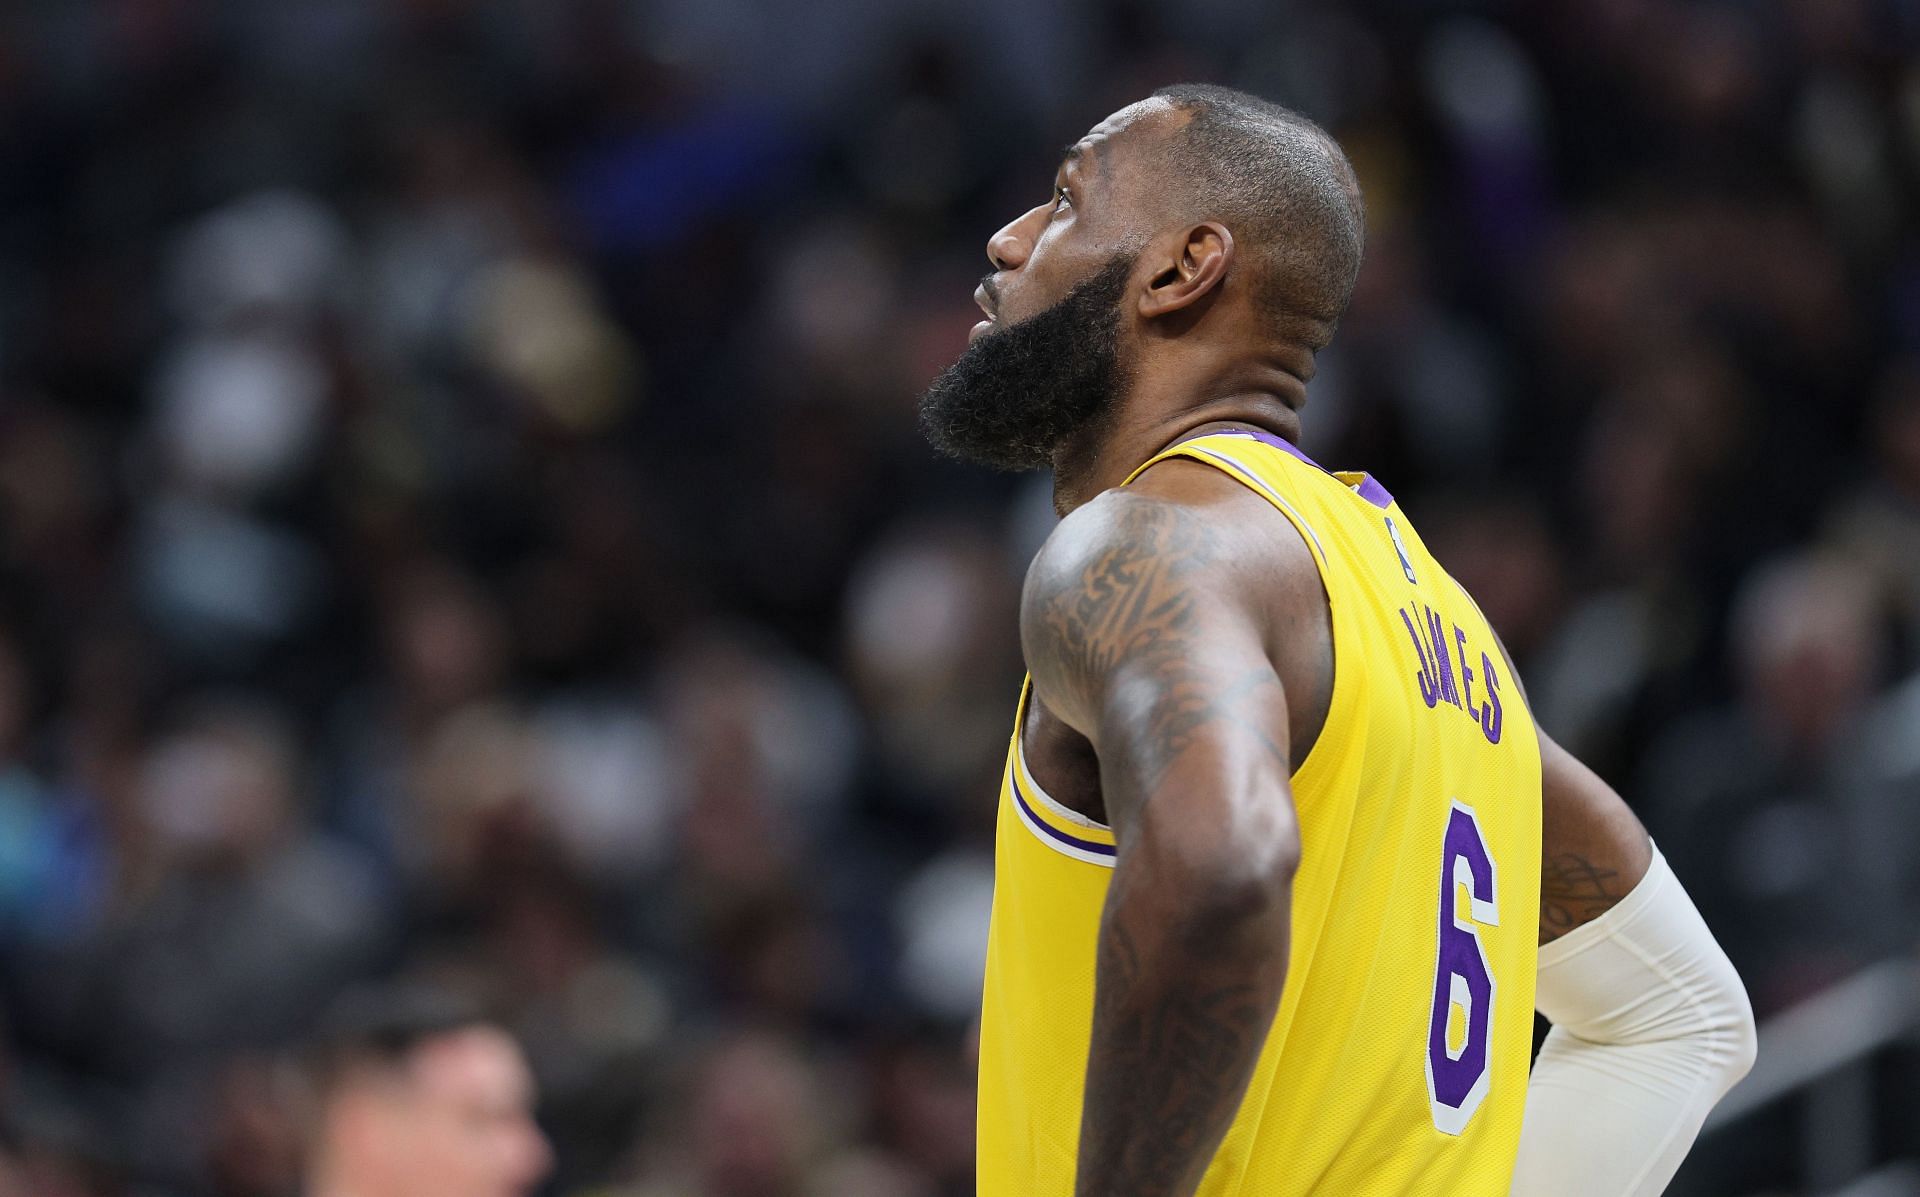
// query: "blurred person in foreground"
[[418, 1096], [1282, 859]]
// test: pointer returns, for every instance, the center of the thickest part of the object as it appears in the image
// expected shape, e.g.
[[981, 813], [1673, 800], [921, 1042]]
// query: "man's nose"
[[1006, 249]]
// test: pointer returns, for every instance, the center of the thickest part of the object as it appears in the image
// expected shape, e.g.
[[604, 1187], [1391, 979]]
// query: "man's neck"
[[1083, 472]]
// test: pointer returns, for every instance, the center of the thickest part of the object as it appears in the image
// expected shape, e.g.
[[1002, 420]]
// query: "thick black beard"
[[1019, 392]]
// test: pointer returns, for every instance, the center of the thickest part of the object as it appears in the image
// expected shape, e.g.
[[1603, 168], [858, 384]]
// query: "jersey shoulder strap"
[[1278, 472]]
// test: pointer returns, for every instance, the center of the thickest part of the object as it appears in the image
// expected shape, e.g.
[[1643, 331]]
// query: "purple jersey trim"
[[1369, 488], [1074, 841], [1374, 493]]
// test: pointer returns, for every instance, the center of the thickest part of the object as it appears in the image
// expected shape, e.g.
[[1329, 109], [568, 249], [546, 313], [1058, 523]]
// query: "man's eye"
[[1061, 198]]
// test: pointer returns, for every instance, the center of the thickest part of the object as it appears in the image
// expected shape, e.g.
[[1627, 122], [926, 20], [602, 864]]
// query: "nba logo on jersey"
[[1400, 547]]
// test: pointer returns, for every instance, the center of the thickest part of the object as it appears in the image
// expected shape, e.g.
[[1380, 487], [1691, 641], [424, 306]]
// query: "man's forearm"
[[1188, 979]]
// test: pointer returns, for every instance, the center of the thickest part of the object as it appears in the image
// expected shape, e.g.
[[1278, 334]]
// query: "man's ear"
[[1193, 267]]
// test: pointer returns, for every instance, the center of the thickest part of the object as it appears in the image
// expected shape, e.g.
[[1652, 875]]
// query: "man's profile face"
[[1049, 362], [1098, 207], [456, 1120]]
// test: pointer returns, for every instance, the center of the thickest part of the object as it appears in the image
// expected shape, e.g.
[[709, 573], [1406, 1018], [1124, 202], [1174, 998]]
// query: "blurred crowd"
[[462, 521]]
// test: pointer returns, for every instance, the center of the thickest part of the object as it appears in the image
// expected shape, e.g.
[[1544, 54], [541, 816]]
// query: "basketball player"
[[1284, 865], [420, 1097]]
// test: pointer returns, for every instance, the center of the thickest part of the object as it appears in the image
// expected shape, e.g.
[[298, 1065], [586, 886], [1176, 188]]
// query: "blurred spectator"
[[1878, 520], [753, 1122], [461, 518], [246, 920], [1766, 801], [415, 1097]]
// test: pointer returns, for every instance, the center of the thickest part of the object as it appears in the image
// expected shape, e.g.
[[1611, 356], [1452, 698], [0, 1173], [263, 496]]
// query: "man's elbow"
[[1724, 1017], [1241, 878], [1649, 973], [1743, 1037]]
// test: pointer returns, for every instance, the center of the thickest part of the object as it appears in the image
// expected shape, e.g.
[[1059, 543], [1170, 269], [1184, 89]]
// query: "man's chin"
[[976, 414], [1020, 390], [1007, 465], [997, 456]]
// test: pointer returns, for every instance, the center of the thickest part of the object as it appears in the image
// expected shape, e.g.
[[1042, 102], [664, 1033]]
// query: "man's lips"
[[980, 298]]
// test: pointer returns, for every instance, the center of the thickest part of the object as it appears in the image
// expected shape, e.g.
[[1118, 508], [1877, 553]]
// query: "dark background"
[[461, 518]]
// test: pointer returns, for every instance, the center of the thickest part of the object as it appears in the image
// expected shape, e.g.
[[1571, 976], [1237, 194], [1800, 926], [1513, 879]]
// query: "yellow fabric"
[[1343, 1101]]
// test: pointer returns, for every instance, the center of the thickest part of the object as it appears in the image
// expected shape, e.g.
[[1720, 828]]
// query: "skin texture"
[[454, 1119], [1182, 661], [1594, 850]]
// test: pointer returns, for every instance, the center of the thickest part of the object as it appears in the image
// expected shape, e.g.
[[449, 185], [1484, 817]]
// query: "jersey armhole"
[[1052, 822]]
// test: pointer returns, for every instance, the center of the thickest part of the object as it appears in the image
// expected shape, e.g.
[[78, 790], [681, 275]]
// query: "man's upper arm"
[[1143, 631], [1140, 634]]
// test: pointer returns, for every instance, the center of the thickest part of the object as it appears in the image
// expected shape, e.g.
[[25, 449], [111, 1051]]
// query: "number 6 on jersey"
[[1457, 1072]]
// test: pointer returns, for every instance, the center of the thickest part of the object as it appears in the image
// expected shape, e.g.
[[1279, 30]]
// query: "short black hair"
[[381, 1026], [1281, 184]]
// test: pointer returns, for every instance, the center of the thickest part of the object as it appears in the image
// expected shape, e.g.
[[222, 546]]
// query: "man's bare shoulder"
[[1140, 567], [1183, 514]]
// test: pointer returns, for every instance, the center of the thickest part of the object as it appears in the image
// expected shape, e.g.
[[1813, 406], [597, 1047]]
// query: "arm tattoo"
[[1573, 892], [1133, 603], [1174, 1060], [1130, 629]]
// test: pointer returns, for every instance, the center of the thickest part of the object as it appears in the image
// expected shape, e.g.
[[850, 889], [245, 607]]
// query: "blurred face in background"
[[220, 793], [1048, 361], [455, 1119]]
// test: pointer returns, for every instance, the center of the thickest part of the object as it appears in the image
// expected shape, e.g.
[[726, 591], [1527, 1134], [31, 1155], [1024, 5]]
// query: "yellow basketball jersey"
[[1397, 1063]]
